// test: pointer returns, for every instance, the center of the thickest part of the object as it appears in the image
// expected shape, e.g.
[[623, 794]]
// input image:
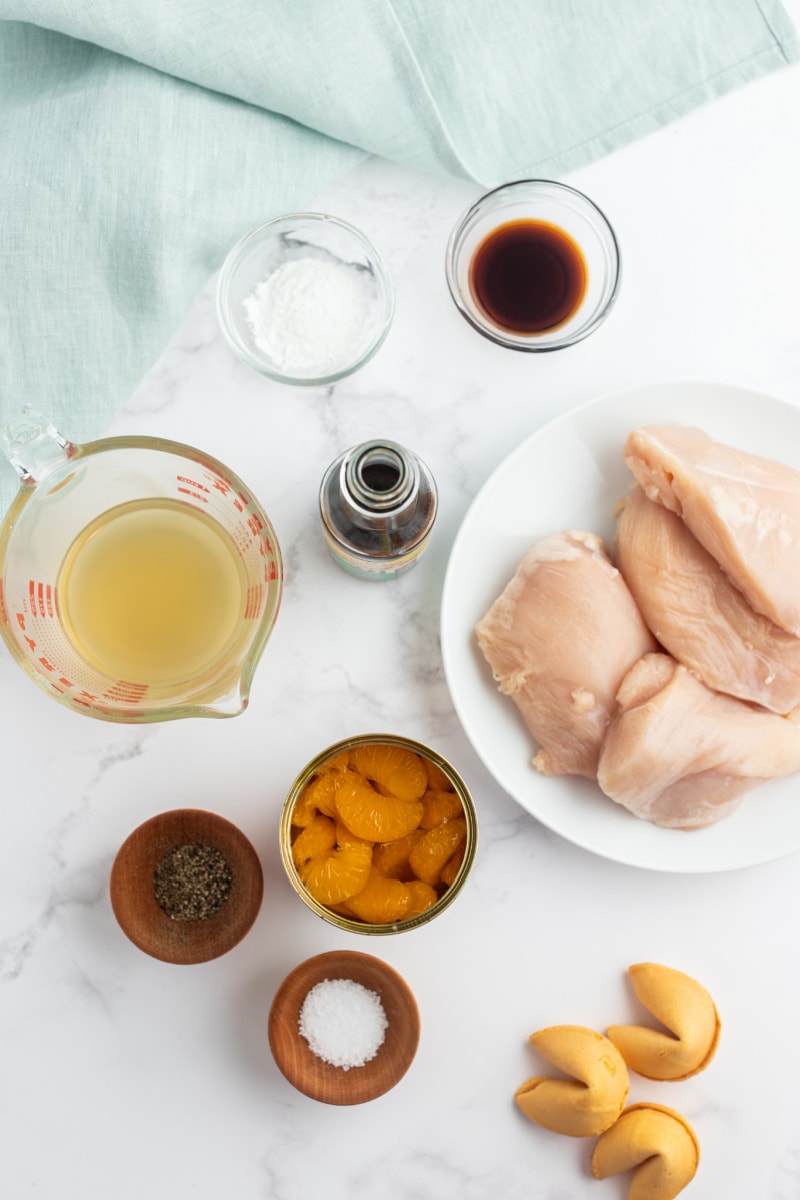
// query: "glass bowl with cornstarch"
[[305, 299]]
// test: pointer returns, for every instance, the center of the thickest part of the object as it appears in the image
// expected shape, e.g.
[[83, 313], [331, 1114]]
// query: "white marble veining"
[[122, 1076]]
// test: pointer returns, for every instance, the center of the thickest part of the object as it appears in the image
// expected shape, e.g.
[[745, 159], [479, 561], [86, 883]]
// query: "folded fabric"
[[140, 141]]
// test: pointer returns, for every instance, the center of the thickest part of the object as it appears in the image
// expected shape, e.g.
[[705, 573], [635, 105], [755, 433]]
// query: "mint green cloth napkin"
[[138, 141]]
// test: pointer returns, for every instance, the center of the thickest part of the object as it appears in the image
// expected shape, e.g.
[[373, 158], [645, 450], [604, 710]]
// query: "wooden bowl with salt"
[[186, 886], [320, 1077]]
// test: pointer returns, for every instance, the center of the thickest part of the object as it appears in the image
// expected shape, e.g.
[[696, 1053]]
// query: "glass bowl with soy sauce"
[[533, 265]]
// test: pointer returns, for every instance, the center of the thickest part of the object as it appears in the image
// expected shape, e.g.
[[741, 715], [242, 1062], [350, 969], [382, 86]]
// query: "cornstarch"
[[343, 1022], [308, 316]]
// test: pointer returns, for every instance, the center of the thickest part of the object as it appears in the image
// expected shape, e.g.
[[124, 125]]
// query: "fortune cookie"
[[657, 1143], [689, 1015], [592, 1098]]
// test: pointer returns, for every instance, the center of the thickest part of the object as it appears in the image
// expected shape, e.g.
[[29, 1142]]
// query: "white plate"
[[568, 475]]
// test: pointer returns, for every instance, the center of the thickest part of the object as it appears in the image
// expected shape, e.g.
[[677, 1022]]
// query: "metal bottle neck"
[[379, 484]]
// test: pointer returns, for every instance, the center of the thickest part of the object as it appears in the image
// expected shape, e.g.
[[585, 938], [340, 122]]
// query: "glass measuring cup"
[[99, 603]]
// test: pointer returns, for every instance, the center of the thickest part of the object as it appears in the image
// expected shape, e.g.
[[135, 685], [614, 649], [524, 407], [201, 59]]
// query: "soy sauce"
[[528, 276]]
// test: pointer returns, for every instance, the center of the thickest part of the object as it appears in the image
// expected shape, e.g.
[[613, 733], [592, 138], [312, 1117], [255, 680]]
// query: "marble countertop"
[[123, 1076]]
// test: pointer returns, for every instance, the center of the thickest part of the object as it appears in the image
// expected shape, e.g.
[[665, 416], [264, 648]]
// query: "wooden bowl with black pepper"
[[186, 886]]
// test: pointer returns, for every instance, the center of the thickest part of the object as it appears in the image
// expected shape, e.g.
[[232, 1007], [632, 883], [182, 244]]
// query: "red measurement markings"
[[129, 693], [31, 644], [41, 597], [43, 602], [193, 488], [200, 487], [252, 606], [253, 522], [194, 495], [62, 684], [225, 487]]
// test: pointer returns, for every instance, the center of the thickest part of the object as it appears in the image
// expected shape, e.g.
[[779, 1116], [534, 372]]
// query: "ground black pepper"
[[192, 882]]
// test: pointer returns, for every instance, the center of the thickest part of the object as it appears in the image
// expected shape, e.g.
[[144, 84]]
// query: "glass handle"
[[33, 445]]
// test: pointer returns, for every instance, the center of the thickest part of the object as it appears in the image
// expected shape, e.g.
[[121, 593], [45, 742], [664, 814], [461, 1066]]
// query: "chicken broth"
[[528, 276], [152, 591]]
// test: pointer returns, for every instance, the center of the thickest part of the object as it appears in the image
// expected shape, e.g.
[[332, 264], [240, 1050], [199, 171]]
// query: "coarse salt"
[[309, 316], [343, 1022]]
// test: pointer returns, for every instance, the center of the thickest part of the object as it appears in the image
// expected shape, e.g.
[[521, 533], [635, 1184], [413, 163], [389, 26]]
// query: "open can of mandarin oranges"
[[378, 834]]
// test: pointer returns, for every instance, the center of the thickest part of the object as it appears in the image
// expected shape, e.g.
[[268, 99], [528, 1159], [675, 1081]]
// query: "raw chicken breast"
[[744, 510], [559, 640], [680, 755], [696, 613]]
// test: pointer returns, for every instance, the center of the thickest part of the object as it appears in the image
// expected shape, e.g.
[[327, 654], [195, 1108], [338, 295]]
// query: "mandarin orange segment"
[[304, 810], [438, 807], [393, 769], [339, 874], [317, 838], [316, 797], [344, 837], [382, 901], [450, 868], [423, 897], [435, 848], [339, 762], [437, 780], [392, 858], [368, 814]]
